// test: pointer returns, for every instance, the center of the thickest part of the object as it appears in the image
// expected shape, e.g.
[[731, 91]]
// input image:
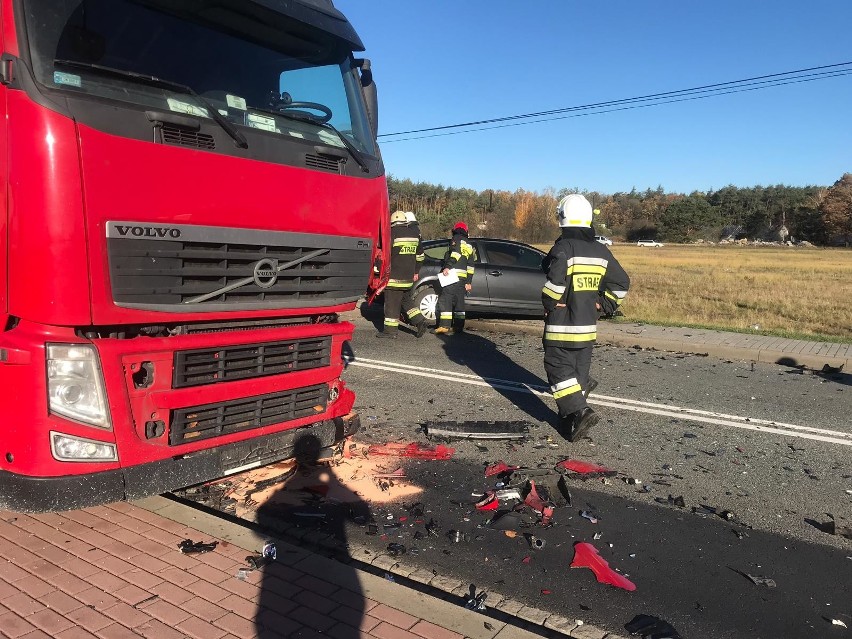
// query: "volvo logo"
[[147, 231], [266, 273]]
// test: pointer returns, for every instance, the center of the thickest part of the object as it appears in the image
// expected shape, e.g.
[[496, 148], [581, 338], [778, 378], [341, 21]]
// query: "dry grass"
[[787, 291]]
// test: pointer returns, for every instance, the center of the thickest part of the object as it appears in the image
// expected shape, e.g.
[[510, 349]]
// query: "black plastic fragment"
[[651, 628], [189, 547], [478, 430]]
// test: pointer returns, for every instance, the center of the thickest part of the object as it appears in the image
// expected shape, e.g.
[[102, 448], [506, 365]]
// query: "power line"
[[654, 99]]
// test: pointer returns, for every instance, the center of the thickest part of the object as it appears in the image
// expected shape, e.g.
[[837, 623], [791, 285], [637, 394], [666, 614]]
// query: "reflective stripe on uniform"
[[446, 316], [406, 240], [414, 312], [391, 322], [557, 333], [460, 273], [457, 314], [570, 337], [568, 387], [400, 284], [587, 261]]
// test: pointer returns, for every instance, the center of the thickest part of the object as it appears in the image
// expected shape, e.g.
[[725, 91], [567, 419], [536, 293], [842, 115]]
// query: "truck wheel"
[[426, 299]]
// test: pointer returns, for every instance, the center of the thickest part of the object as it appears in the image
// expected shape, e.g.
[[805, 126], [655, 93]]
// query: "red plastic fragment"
[[582, 467], [586, 556], [533, 500], [488, 502], [545, 591], [412, 450], [499, 468], [526, 560]]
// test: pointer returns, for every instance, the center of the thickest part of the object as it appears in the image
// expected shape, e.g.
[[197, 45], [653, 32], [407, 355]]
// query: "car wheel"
[[426, 299]]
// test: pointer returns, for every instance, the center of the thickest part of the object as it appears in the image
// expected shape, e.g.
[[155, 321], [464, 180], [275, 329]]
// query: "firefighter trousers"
[[399, 300], [450, 309], [568, 374]]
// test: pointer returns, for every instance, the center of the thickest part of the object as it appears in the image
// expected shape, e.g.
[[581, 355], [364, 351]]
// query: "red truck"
[[192, 192]]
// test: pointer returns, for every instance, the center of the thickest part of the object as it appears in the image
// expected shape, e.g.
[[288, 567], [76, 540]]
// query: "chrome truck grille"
[[184, 268]]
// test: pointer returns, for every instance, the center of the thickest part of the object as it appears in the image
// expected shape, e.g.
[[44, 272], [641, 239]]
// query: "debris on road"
[[672, 501], [651, 628], [587, 515], [500, 468], [830, 527], [585, 470], [475, 601], [838, 622], [396, 549], [189, 547], [478, 430], [536, 543], [757, 581], [412, 450], [587, 556]]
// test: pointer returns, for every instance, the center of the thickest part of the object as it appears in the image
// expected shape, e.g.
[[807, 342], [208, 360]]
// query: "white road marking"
[[665, 410]]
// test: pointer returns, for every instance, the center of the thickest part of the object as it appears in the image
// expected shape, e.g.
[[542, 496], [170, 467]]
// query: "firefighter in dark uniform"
[[406, 259], [459, 259], [584, 281]]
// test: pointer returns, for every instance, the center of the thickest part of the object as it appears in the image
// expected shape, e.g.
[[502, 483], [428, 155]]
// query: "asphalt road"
[[767, 443]]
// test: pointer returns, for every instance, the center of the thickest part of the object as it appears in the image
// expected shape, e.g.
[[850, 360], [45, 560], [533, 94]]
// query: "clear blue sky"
[[441, 62]]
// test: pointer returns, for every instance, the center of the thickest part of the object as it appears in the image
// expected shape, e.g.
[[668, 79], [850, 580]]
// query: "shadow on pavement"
[[295, 604], [483, 358]]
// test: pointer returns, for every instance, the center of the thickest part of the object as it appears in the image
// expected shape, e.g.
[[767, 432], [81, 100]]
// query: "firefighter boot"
[[583, 421], [421, 329], [566, 426], [387, 334]]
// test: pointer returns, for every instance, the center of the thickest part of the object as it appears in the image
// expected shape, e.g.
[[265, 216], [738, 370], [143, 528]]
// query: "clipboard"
[[446, 280]]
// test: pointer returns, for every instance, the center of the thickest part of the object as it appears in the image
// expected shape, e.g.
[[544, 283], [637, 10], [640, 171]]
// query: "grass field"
[[787, 291]]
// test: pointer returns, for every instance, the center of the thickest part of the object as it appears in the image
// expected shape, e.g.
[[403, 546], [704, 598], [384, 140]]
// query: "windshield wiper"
[[152, 80], [353, 150]]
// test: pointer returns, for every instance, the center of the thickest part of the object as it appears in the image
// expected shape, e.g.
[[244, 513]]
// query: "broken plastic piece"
[[587, 469], [506, 520], [475, 601], [758, 581], [189, 547], [651, 628], [838, 622], [673, 501], [257, 561], [488, 502], [478, 430], [396, 549], [412, 450], [590, 516], [457, 536], [500, 468], [586, 556], [830, 527]]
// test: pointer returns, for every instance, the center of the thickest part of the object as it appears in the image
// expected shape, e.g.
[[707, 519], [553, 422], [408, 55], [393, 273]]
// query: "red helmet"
[[460, 225]]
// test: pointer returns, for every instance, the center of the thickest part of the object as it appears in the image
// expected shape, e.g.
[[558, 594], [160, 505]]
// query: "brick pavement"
[[115, 572]]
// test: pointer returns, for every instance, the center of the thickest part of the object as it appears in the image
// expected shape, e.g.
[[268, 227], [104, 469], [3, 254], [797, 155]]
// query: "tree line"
[[817, 214]]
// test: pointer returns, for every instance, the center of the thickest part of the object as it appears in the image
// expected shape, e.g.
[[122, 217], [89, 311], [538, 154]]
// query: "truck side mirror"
[[371, 95]]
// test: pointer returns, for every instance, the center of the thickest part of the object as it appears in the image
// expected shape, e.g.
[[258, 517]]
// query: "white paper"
[[446, 280]]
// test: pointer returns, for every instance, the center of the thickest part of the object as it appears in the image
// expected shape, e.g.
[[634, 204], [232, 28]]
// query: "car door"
[[514, 276]]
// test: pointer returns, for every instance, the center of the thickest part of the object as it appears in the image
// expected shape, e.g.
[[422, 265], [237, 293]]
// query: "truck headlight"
[[75, 387], [68, 448]]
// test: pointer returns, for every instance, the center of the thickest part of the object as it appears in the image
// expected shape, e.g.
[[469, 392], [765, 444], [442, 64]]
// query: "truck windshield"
[[244, 59]]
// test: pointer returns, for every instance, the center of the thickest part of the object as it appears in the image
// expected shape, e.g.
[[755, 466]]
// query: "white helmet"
[[574, 210], [409, 216], [399, 217]]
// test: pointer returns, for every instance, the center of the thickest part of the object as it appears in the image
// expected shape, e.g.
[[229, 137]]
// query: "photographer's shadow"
[[304, 595]]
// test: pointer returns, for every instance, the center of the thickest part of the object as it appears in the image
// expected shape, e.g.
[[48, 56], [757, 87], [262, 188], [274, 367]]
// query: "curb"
[[512, 620]]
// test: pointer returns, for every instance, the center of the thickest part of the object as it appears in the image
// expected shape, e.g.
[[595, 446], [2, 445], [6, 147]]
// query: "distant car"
[[603, 240], [507, 279], [648, 243]]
